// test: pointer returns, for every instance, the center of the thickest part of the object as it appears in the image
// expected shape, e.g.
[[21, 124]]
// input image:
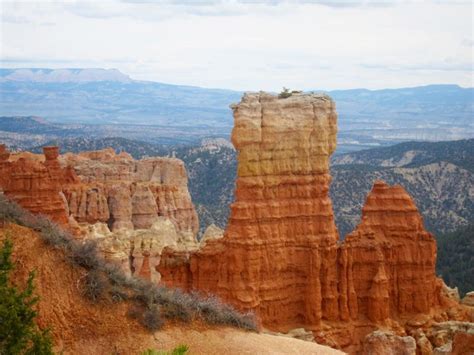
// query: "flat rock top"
[[299, 97]]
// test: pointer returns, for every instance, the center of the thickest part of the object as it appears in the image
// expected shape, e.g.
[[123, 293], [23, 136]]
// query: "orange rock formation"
[[281, 229], [92, 192], [280, 254], [100, 186], [130, 193], [79, 326], [36, 185]]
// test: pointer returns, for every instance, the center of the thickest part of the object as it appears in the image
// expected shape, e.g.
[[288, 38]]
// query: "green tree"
[[19, 333], [285, 93]]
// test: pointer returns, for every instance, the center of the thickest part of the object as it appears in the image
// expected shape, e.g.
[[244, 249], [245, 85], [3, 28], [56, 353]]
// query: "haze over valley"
[[107, 103]]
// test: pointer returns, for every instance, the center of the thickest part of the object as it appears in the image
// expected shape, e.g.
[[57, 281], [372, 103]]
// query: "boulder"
[[387, 343]]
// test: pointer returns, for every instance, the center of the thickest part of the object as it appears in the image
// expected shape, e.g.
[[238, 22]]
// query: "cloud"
[[247, 45], [466, 42], [165, 9]]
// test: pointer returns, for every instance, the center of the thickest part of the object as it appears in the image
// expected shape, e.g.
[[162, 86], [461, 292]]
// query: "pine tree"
[[19, 333]]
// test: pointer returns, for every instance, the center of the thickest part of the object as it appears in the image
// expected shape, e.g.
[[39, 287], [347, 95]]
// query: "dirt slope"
[[80, 327]]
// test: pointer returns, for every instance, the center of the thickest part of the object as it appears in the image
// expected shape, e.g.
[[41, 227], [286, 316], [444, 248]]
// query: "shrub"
[[19, 333], [85, 255], [152, 319], [151, 302], [115, 274], [95, 285], [285, 93], [52, 234], [179, 350], [10, 211], [177, 311], [117, 294]]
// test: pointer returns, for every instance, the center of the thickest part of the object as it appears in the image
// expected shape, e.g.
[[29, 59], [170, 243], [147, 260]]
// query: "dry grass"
[[150, 303]]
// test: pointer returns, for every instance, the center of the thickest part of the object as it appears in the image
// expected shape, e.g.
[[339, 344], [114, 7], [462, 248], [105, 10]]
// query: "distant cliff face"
[[281, 254]]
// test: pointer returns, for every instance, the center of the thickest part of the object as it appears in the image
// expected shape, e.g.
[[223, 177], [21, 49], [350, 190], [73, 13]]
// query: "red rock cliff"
[[281, 232], [280, 254], [145, 203], [391, 257], [36, 185], [130, 193]]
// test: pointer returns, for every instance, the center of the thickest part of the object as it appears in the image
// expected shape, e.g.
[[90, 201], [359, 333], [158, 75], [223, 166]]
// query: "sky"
[[248, 45]]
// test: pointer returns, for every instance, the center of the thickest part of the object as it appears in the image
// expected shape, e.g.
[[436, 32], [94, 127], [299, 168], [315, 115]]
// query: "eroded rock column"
[[281, 232]]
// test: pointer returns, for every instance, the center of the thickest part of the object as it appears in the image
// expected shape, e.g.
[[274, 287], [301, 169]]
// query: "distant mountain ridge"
[[367, 118], [31, 124], [438, 175], [413, 154]]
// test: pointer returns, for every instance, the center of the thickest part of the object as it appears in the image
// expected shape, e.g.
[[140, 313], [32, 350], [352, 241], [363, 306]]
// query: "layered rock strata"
[[130, 193], [36, 185], [281, 230], [391, 258], [281, 256], [132, 208]]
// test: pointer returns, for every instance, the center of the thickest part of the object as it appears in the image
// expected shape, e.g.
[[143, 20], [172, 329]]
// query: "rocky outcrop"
[[132, 208], [212, 232], [36, 185], [468, 299], [138, 251], [463, 343], [391, 257], [144, 208], [100, 186], [87, 204], [281, 231], [443, 334], [137, 191], [281, 256], [387, 343]]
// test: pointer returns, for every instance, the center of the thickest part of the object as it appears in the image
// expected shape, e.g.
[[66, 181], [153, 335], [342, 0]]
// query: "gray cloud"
[[247, 44]]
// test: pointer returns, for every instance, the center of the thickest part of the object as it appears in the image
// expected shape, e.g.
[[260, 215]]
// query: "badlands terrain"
[[280, 256]]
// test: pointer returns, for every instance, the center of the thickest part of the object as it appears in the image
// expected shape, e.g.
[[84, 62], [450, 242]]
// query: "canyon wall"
[[132, 208], [130, 193], [281, 256], [35, 185]]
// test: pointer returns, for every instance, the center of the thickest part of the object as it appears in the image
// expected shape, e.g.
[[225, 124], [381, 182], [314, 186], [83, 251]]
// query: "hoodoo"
[[132, 208], [281, 231], [281, 254], [36, 185]]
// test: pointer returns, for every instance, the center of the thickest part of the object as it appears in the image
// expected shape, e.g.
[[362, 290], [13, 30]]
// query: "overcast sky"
[[248, 45]]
